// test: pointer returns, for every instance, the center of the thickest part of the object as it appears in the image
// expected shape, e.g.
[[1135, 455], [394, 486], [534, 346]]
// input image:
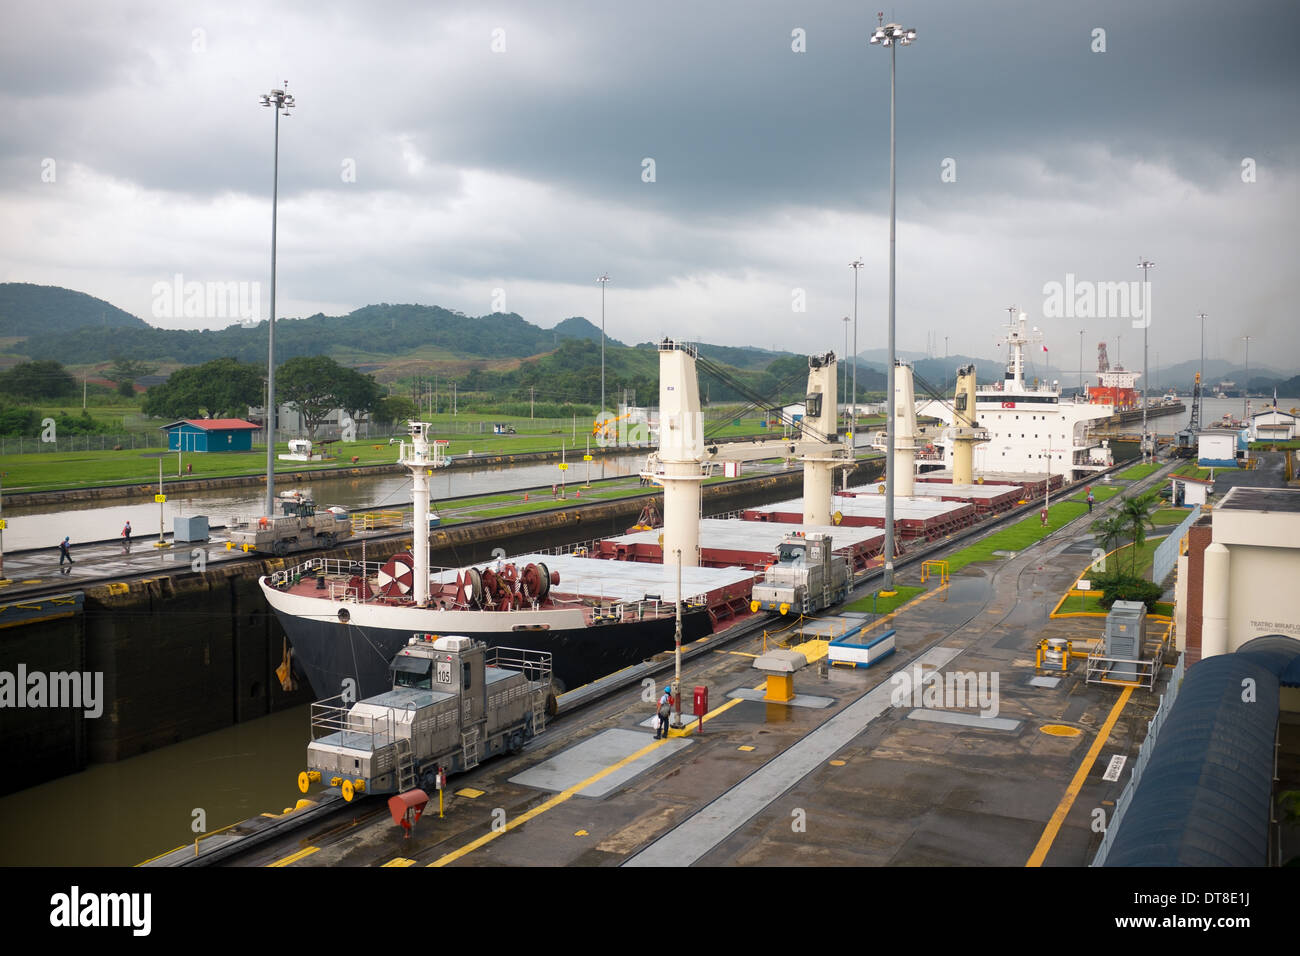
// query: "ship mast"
[[418, 459], [1017, 338]]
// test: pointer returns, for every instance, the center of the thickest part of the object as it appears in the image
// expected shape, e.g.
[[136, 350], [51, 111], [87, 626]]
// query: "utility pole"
[[530, 403], [1201, 316], [677, 677], [603, 278], [844, 389], [855, 265], [1245, 386], [1081, 331], [1145, 265]]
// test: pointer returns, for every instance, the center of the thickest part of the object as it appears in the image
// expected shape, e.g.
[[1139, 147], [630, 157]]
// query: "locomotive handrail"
[[331, 717], [534, 665]]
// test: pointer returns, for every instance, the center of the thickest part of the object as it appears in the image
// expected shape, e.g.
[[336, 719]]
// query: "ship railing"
[[333, 715], [579, 549], [534, 665]]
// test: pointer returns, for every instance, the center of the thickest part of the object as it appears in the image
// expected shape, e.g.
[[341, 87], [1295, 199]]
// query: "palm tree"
[[1108, 531], [1135, 516]]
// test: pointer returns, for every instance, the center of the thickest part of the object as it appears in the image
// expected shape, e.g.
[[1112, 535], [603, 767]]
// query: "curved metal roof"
[[1204, 798]]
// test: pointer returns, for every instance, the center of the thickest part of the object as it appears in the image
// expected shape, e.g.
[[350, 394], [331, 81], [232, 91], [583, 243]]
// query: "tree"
[[43, 379], [1108, 531], [394, 408], [357, 393], [222, 388], [17, 420], [1135, 514], [311, 385], [126, 372]]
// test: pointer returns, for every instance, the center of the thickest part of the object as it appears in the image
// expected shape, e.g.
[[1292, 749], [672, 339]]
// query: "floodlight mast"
[[891, 35], [282, 102]]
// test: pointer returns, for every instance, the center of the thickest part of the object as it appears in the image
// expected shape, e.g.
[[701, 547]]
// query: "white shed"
[[1272, 424]]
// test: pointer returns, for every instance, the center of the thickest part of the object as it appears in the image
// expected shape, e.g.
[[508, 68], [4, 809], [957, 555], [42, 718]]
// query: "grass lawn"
[[1192, 470], [1124, 558], [1019, 536], [1099, 493], [1139, 471], [61, 470], [884, 605], [1290, 444], [1169, 516], [1090, 603]]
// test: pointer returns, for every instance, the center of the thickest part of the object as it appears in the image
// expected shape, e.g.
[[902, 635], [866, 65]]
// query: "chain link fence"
[[20, 445]]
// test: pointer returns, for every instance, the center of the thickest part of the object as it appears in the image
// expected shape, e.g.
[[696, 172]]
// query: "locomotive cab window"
[[412, 672]]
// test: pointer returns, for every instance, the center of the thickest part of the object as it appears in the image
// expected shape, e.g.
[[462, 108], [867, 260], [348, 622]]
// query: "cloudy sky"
[[724, 162]]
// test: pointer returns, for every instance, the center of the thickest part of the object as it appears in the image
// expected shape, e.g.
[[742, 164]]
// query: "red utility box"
[[701, 701]]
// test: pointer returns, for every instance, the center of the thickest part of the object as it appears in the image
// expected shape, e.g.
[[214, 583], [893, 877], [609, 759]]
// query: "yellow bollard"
[[780, 688]]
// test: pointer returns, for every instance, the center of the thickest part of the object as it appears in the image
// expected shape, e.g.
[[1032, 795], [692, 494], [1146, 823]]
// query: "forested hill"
[[25, 307], [386, 330]]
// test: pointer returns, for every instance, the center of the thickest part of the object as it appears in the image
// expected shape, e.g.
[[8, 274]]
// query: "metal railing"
[[333, 715], [376, 520], [534, 665], [1140, 762], [1101, 667], [1167, 552]]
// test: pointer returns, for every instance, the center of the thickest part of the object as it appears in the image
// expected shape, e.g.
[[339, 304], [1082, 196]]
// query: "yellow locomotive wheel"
[[348, 792], [304, 782]]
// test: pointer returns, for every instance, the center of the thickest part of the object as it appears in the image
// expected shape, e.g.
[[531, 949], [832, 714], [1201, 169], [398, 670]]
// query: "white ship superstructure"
[[1030, 429]]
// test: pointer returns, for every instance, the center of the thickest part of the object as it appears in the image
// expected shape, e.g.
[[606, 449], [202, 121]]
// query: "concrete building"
[[1237, 578]]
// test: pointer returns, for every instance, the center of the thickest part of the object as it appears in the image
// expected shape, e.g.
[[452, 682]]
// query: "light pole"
[[844, 389], [1081, 331], [1245, 386], [890, 35], [1145, 265], [855, 265], [602, 279], [1201, 316], [279, 101]]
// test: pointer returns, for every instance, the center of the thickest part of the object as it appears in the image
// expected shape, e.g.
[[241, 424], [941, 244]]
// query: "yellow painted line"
[[295, 857], [564, 795], [399, 861], [737, 653], [1072, 791], [470, 792], [745, 747], [581, 833], [541, 808], [837, 763]]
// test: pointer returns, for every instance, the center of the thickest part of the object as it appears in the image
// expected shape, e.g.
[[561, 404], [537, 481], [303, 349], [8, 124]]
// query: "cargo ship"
[[347, 620], [1030, 429]]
